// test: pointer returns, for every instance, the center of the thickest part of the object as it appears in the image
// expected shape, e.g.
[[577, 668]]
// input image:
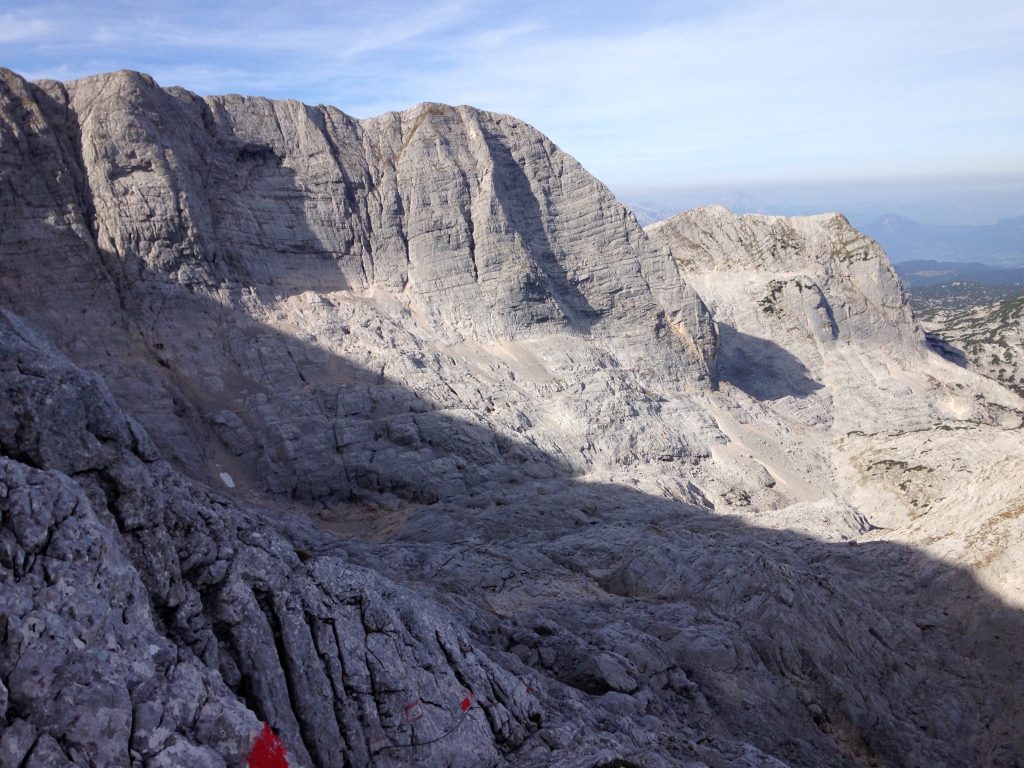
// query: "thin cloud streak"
[[15, 28], [710, 92]]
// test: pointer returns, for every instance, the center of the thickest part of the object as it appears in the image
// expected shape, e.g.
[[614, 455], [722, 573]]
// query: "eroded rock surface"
[[402, 436], [440, 249], [148, 620]]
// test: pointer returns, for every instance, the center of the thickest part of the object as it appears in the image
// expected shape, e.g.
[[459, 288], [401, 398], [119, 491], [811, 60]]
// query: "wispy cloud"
[[666, 93], [332, 35], [16, 28]]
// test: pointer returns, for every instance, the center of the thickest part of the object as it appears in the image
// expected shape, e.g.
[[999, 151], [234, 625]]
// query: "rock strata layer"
[[830, 375]]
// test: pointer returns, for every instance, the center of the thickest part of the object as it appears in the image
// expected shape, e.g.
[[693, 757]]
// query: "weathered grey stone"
[[831, 385], [108, 626], [436, 332], [194, 224]]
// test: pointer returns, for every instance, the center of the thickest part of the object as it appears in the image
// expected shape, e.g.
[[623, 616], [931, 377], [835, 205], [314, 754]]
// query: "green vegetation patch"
[[770, 303]]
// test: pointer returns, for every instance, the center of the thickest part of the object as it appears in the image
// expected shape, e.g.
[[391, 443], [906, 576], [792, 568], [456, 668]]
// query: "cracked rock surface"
[[402, 436], [148, 621]]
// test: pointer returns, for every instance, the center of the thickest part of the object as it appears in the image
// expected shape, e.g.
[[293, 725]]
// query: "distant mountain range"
[[1000, 244], [924, 272], [650, 213]]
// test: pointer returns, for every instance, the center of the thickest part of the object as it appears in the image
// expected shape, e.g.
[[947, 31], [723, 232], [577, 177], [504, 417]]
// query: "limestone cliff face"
[[155, 234], [835, 280], [401, 436], [825, 298], [487, 227], [815, 325]]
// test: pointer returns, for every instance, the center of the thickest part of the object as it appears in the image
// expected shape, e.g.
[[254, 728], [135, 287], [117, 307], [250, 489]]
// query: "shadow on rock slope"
[[594, 624], [760, 367], [648, 627]]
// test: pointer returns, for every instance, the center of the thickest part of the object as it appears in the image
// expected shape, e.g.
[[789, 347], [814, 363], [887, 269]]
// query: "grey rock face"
[[194, 223], [435, 333], [823, 280], [147, 621], [818, 340], [591, 641]]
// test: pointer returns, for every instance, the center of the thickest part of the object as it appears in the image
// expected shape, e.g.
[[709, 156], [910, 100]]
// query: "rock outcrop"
[[829, 374], [401, 436], [147, 621]]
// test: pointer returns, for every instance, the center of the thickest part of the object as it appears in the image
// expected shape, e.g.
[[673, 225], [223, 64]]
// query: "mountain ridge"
[[483, 434]]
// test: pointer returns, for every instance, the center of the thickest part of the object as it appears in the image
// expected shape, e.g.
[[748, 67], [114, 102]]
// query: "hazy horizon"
[[740, 95], [965, 201]]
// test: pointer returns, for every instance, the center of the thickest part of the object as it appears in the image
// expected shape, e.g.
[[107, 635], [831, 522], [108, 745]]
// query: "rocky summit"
[[399, 442]]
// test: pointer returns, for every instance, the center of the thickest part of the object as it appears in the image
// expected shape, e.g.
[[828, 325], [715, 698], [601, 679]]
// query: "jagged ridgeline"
[[399, 442]]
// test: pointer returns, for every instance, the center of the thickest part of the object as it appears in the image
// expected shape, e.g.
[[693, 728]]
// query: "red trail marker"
[[268, 750], [413, 712]]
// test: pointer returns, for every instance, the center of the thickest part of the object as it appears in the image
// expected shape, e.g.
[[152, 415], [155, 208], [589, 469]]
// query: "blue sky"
[[660, 96]]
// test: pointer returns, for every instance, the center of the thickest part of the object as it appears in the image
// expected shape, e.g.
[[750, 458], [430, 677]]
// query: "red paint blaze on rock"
[[466, 702], [268, 750]]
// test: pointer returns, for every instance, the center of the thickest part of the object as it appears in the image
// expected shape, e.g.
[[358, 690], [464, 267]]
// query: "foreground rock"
[[148, 620], [606, 625]]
